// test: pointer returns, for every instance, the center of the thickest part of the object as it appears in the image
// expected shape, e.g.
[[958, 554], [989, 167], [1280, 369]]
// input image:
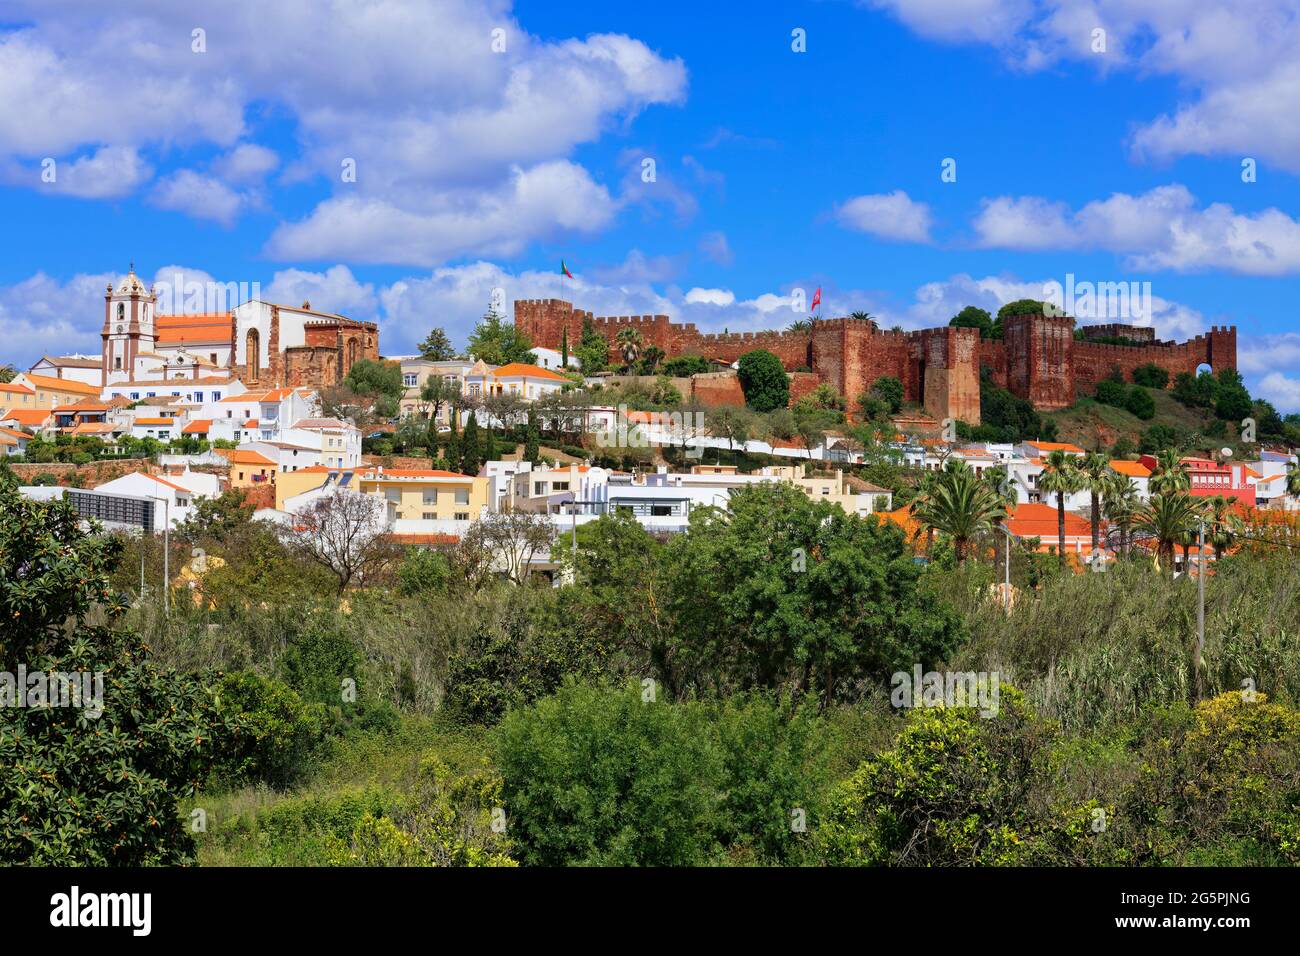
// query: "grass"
[[1092, 425], [257, 826]]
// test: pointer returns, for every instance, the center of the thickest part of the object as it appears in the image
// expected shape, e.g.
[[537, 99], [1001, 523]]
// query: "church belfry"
[[128, 326]]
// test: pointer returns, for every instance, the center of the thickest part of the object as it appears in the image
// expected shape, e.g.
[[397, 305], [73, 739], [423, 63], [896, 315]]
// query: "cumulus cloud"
[[1159, 229], [106, 173], [1239, 60], [439, 123], [887, 215], [535, 203], [199, 196], [710, 296]]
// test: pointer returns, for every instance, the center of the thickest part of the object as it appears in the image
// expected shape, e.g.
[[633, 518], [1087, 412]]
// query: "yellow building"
[[52, 392], [293, 483], [248, 468], [15, 397], [416, 494]]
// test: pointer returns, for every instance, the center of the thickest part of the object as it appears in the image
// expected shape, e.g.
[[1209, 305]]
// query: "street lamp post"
[[1200, 607]]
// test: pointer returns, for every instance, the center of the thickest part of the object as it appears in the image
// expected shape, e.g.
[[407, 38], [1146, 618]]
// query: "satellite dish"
[[1226, 452]]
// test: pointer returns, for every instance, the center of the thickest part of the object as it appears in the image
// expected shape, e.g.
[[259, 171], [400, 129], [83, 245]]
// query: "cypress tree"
[[564, 349], [469, 460], [531, 452]]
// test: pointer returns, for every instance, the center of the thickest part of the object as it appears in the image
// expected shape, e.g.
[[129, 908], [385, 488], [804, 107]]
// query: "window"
[[198, 396], [462, 496], [212, 357], [117, 363], [539, 487], [431, 498], [462, 515], [135, 396], [409, 379], [241, 476], [429, 515], [661, 511], [394, 495], [560, 486]]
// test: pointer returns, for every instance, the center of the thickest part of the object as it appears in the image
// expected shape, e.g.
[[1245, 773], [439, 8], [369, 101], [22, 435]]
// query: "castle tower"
[[1040, 359], [128, 327]]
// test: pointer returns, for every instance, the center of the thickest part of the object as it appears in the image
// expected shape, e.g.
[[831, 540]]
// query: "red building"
[[1208, 478]]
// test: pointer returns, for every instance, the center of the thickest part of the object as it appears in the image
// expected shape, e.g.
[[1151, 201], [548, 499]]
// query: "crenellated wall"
[[1039, 359]]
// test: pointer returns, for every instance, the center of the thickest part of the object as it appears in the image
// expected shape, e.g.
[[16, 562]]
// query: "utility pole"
[[167, 525], [1006, 593], [1200, 609]]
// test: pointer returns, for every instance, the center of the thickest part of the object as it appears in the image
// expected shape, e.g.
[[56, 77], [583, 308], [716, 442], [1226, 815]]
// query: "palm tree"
[[799, 325], [1061, 478], [1170, 474], [1293, 480], [958, 503], [861, 316], [1121, 506], [1094, 475], [1166, 517], [629, 341], [1221, 525]]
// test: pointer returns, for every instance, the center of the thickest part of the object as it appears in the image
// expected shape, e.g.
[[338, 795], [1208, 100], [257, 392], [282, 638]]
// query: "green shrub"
[[279, 730]]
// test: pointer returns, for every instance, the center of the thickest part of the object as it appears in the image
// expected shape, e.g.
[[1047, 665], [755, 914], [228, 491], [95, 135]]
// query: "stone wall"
[[1039, 359]]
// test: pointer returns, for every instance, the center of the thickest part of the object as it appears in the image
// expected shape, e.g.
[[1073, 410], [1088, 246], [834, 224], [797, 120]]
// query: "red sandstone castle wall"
[[1040, 353], [1038, 360], [1094, 362]]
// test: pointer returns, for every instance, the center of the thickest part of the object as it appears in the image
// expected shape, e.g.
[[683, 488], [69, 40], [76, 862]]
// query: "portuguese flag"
[[564, 270]]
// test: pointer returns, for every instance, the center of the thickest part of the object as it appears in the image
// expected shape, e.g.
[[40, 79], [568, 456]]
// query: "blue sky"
[[775, 170]]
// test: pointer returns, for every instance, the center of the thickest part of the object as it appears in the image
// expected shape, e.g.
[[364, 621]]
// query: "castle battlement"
[[1038, 359]]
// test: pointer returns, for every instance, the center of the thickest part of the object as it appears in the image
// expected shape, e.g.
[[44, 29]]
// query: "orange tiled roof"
[[13, 432], [153, 420], [522, 370], [1134, 469], [246, 456], [96, 428], [61, 384], [1055, 446], [31, 417], [199, 426], [16, 387], [204, 327], [1035, 520]]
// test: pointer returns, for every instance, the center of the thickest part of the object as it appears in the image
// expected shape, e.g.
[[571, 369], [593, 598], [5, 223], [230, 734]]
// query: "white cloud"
[[438, 123], [887, 215], [334, 290], [246, 163], [1159, 229], [107, 173], [535, 203], [699, 296], [1282, 390], [1239, 60], [199, 196]]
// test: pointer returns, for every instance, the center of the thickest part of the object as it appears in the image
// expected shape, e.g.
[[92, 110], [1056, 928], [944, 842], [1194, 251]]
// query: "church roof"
[[200, 327]]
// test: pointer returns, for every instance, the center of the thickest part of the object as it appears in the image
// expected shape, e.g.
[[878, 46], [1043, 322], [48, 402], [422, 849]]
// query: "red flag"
[[817, 300]]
